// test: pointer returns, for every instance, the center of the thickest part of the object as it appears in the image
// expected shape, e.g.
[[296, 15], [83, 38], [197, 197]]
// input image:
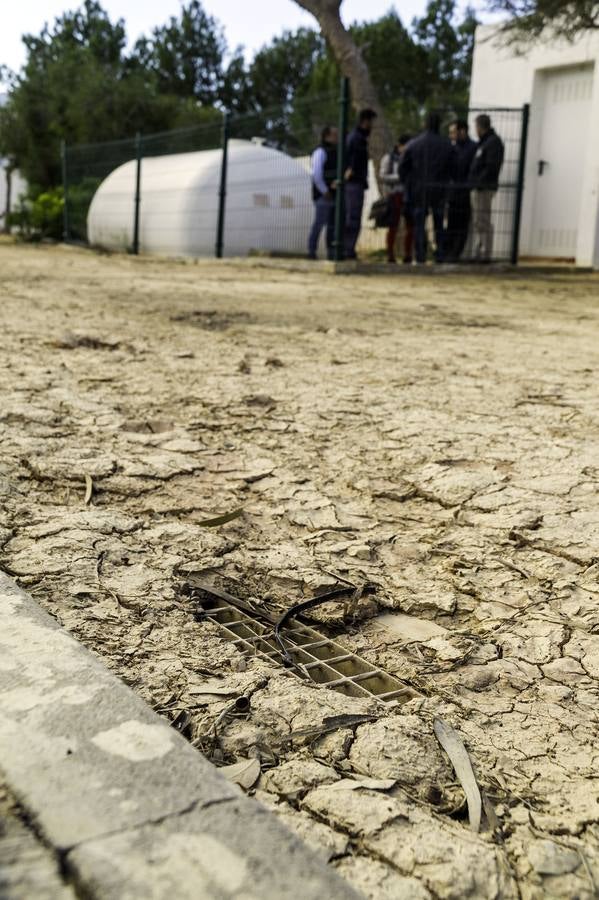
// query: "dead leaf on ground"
[[244, 773], [453, 745], [221, 520], [365, 784]]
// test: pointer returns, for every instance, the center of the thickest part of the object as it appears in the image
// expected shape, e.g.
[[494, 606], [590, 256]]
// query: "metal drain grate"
[[313, 655]]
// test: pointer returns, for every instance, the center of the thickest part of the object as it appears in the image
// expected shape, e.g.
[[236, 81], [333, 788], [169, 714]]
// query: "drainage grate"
[[312, 655]]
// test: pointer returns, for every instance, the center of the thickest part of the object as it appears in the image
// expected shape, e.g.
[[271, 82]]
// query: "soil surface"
[[435, 438]]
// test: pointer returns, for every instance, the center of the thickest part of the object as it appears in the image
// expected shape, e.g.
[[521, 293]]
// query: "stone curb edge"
[[130, 808]]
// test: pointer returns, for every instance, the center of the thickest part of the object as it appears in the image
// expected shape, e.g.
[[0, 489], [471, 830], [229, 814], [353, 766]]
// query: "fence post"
[[222, 191], [66, 228], [340, 192], [138, 150], [520, 185]]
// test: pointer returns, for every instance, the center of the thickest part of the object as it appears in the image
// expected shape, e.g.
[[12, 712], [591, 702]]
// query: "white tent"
[[269, 203]]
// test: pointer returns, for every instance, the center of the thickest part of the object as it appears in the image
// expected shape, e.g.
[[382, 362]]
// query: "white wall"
[[18, 187], [500, 77]]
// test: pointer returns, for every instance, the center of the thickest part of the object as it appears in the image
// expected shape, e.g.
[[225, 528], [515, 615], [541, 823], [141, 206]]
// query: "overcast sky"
[[248, 22]]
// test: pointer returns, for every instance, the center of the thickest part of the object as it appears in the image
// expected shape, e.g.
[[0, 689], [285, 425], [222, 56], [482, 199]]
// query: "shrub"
[[39, 218]]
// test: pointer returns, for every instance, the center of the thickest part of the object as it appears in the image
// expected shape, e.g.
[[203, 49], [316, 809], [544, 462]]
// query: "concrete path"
[[129, 808]]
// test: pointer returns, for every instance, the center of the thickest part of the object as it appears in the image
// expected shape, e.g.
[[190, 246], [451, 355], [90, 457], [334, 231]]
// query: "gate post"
[[520, 185], [138, 150], [66, 229], [222, 191], [340, 192]]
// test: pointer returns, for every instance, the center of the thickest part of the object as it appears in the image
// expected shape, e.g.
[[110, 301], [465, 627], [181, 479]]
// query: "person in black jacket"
[[458, 206], [323, 164], [356, 179], [426, 167], [484, 181]]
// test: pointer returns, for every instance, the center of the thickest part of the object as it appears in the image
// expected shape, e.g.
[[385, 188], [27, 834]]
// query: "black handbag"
[[381, 212]]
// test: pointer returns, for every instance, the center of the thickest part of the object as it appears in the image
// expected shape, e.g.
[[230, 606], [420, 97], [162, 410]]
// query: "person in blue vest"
[[356, 179], [324, 179]]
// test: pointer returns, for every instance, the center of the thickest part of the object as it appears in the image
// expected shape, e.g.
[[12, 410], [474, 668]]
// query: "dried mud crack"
[[434, 438]]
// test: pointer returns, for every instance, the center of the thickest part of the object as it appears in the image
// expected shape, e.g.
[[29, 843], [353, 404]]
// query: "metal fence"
[[241, 185]]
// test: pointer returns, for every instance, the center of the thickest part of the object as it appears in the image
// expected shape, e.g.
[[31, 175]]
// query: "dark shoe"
[[392, 261], [407, 260], [312, 256]]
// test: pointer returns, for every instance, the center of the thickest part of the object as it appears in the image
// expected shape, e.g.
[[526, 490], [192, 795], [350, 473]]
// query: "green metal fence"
[[241, 185]]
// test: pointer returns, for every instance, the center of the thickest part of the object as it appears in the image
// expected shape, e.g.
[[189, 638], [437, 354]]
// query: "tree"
[[352, 65], [186, 55], [79, 85], [529, 18], [447, 47], [281, 70]]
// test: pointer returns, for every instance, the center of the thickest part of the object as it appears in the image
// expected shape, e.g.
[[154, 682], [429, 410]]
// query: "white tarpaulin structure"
[[269, 203]]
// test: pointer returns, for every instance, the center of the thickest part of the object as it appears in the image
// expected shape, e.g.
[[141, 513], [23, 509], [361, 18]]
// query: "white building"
[[11, 185], [560, 80], [269, 203]]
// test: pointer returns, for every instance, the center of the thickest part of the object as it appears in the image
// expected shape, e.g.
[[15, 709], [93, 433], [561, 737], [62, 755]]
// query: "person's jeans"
[[420, 213], [354, 204], [482, 202], [324, 217]]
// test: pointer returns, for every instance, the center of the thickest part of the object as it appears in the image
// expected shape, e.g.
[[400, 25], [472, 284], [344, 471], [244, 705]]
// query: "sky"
[[250, 23]]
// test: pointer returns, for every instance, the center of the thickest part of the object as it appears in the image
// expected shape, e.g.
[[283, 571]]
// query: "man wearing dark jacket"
[[458, 206], [484, 181], [356, 179], [426, 168]]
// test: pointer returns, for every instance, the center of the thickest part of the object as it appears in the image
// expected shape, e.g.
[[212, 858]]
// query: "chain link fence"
[[239, 186]]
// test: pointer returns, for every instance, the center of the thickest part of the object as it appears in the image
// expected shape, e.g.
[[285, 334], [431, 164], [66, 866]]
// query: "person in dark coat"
[[356, 179], [323, 164], [426, 167], [458, 206], [484, 181]]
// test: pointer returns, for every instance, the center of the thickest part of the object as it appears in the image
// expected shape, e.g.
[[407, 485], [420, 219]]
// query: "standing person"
[[426, 166], [356, 178], [324, 174], [396, 191], [484, 181], [458, 207]]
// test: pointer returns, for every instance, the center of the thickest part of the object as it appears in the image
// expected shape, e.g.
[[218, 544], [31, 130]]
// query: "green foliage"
[[80, 196], [447, 52], [41, 217], [527, 19], [186, 55], [81, 85]]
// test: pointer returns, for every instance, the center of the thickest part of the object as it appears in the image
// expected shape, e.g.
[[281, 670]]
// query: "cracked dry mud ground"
[[437, 437]]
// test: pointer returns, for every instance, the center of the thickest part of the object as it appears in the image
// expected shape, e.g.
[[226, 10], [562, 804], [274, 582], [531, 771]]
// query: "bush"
[[39, 218]]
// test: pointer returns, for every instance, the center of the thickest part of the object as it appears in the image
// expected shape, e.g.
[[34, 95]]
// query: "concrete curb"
[[131, 809], [352, 267]]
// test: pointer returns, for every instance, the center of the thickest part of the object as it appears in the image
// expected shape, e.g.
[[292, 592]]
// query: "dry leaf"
[[221, 520], [366, 784], [454, 747], [244, 773]]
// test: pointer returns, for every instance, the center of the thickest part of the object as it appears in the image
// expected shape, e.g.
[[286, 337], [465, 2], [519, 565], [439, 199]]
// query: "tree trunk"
[[352, 65]]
